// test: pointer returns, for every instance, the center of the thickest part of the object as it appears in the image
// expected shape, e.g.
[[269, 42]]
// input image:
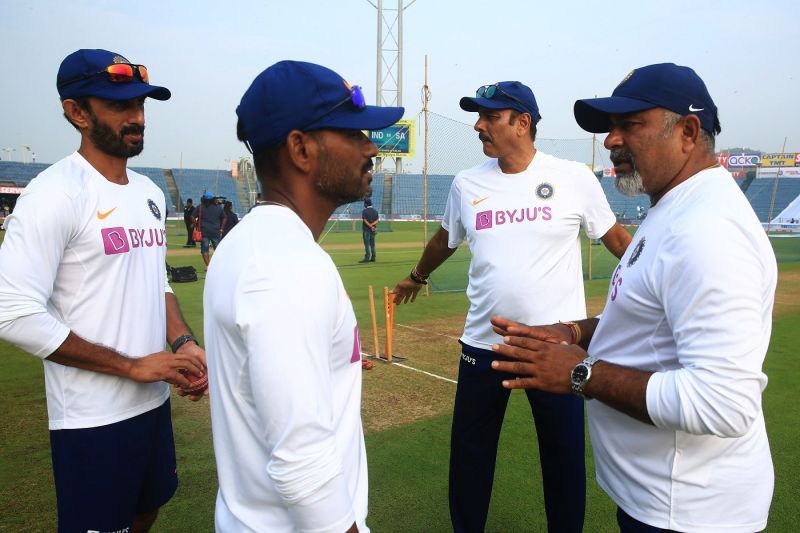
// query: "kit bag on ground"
[[182, 274]]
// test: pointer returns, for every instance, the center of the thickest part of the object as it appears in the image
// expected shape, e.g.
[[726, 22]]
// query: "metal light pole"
[[389, 70]]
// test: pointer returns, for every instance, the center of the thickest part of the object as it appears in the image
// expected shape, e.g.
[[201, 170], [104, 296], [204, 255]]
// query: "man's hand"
[[406, 290], [166, 366], [555, 333], [540, 364], [193, 350]]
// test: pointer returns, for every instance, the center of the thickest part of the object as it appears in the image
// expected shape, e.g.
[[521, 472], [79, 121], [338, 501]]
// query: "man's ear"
[[524, 123], [302, 150], [690, 132], [75, 113]]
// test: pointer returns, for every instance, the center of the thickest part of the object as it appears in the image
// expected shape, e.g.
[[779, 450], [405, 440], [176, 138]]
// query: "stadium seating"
[[407, 192], [193, 182]]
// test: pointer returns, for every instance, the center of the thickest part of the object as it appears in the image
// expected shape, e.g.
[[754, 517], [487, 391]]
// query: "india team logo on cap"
[[626, 78], [154, 209], [119, 59], [545, 191], [637, 251]]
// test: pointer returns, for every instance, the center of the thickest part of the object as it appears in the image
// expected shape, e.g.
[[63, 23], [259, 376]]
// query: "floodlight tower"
[[389, 71]]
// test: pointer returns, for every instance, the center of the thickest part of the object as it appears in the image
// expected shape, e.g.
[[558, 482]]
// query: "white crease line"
[[428, 332], [412, 368]]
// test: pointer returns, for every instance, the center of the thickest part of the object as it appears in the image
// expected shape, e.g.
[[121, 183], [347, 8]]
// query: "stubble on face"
[[338, 181]]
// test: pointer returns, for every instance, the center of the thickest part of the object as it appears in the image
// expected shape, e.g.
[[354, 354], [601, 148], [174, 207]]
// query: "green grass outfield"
[[406, 414]]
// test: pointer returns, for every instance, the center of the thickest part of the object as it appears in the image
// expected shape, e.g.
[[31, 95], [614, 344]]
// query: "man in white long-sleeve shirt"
[[283, 345], [674, 368], [83, 286]]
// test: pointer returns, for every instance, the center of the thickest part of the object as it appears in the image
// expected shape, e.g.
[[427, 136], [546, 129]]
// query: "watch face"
[[580, 373]]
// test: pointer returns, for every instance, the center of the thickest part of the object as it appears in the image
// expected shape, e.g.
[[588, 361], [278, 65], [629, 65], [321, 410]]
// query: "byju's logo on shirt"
[[489, 219], [118, 240]]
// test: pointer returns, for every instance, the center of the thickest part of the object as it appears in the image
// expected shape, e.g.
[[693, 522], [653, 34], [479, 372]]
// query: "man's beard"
[[113, 144], [630, 183], [338, 184]]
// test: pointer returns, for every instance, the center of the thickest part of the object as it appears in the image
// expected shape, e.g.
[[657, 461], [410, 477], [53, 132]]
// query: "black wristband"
[[183, 339]]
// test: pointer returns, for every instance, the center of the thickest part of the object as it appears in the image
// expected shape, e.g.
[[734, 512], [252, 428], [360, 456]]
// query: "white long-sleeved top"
[[84, 254], [285, 376], [691, 300]]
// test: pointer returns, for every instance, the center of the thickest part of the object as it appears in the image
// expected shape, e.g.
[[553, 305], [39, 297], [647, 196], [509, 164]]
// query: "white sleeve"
[[597, 217], [289, 367], [451, 221], [37, 233], [714, 306]]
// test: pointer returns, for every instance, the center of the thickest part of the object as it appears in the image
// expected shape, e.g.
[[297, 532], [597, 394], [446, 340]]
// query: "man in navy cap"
[[369, 228], [84, 288], [673, 371], [283, 346], [521, 213]]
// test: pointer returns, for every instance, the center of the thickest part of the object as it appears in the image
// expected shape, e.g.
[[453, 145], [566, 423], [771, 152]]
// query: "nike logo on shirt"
[[479, 200], [101, 216]]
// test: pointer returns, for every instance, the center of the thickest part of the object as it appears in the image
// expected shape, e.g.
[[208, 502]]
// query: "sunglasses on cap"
[[490, 91], [356, 97], [117, 73]]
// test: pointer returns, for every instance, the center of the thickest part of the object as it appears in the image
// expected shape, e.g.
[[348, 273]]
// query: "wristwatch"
[[580, 376]]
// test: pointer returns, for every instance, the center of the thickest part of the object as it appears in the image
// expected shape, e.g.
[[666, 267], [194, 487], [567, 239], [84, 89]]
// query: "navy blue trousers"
[[480, 406]]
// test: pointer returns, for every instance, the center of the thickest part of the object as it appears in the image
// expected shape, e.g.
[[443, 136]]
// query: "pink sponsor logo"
[[119, 240], [115, 240], [483, 220], [356, 357], [489, 219]]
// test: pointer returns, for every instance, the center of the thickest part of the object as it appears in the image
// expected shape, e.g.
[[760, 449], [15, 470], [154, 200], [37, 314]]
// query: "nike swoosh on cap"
[[695, 109], [479, 200], [101, 216]]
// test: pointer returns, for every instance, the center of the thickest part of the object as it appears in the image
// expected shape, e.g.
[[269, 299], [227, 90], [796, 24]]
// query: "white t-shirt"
[[284, 361], [84, 254], [523, 231], [691, 300]]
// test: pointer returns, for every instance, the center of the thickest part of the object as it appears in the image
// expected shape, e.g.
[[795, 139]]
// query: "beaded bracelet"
[[418, 278]]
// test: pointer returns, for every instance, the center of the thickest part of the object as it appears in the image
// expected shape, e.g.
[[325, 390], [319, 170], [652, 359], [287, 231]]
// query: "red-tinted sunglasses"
[[117, 73]]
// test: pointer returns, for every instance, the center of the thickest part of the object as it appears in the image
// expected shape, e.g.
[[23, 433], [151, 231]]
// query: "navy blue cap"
[[509, 95], [86, 63], [666, 85], [294, 95]]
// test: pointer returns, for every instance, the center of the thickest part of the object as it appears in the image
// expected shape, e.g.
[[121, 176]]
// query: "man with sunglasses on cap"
[[283, 347], [673, 373], [84, 288], [521, 213]]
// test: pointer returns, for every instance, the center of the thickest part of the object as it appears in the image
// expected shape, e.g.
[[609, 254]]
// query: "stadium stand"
[[193, 182], [404, 200], [20, 173], [759, 194]]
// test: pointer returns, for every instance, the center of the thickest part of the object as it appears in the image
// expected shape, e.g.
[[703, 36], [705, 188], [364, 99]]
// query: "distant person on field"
[[521, 213], [231, 218], [283, 344], [209, 219], [188, 220], [673, 375], [83, 287], [369, 228]]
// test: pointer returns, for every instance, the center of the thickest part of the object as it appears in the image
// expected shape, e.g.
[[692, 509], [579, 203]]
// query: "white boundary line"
[[426, 373]]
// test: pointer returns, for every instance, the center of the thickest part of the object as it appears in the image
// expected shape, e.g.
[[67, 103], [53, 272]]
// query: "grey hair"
[[671, 118]]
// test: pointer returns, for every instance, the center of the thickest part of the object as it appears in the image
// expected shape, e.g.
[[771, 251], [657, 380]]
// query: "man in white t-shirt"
[[84, 287], [673, 374], [521, 213], [284, 353]]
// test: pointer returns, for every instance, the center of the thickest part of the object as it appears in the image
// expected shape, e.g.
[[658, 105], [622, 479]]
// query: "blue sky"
[[207, 53]]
